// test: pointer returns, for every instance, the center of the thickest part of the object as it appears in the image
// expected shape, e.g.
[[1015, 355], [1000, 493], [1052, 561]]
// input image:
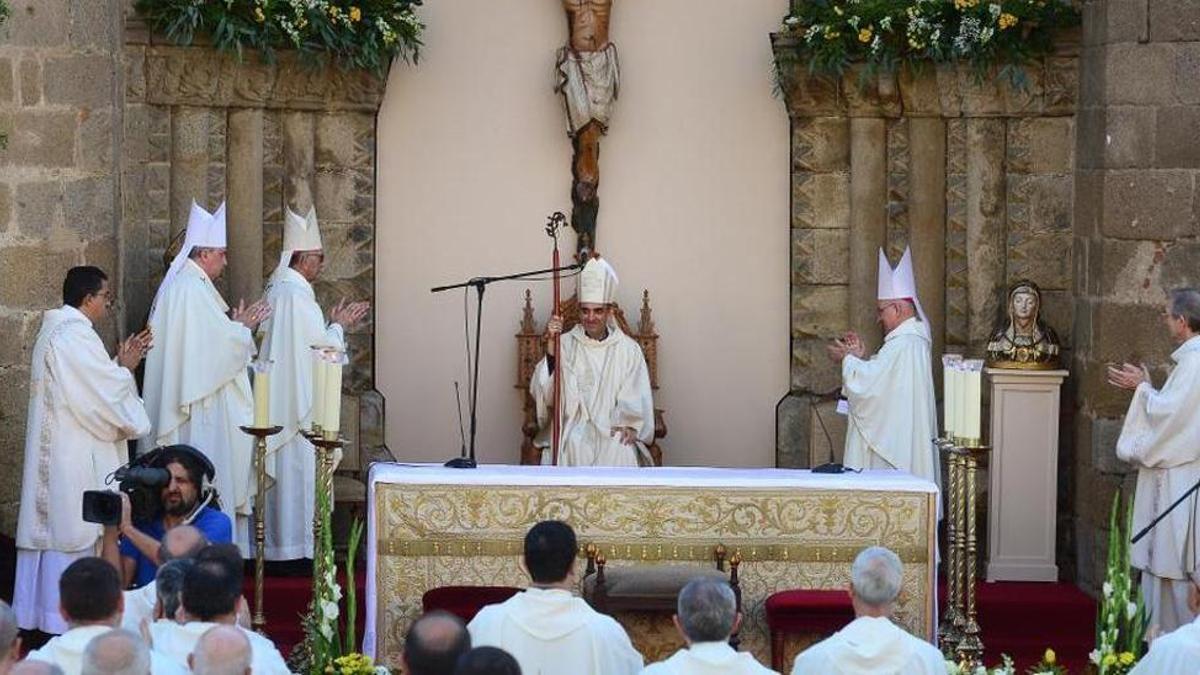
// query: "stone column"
[[298, 161], [189, 164], [927, 222], [245, 207], [986, 251], [868, 222]]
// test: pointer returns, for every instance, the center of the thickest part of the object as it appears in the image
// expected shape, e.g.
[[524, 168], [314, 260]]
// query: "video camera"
[[143, 480]]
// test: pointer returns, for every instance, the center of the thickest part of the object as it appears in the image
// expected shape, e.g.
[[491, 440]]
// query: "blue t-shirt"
[[215, 525]]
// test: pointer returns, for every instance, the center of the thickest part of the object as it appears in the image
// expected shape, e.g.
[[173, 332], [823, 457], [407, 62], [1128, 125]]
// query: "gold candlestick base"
[[259, 620], [959, 632], [325, 447]]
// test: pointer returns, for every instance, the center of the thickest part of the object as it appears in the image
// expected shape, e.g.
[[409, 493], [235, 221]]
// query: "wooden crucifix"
[[588, 78]]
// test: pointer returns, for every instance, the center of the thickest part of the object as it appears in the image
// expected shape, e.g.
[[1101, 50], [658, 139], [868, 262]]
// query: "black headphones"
[[157, 458]]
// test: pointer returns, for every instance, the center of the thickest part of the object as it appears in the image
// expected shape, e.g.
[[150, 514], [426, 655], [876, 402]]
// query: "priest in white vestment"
[[1161, 438], [547, 628], [607, 409], [295, 326], [196, 386], [707, 616], [1177, 652], [872, 644], [83, 406], [892, 418]]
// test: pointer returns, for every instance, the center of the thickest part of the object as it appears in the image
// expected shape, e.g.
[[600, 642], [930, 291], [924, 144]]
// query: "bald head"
[[117, 652], [222, 650], [434, 643], [182, 541], [31, 667]]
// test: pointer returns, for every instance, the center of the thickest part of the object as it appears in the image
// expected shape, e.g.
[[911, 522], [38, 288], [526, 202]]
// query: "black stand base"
[[461, 463]]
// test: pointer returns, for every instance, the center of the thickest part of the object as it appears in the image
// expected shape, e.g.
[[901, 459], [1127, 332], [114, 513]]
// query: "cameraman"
[[137, 553]]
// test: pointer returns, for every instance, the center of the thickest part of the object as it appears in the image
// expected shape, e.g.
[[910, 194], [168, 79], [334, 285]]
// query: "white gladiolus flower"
[[1094, 657], [1108, 590], [1130, 610], [329, 609]]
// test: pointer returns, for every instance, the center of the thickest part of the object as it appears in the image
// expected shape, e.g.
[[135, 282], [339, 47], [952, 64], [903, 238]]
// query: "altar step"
[[286, 597]]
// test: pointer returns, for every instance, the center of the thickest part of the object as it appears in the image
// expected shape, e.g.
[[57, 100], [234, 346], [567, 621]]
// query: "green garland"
[[830, 35], [355, 34]]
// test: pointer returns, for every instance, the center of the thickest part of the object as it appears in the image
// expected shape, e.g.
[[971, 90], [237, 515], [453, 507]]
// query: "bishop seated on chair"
[[605, 407]]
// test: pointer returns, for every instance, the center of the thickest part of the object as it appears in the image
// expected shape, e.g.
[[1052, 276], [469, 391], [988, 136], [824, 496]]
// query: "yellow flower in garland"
[[865, 35], [355, 14], [965, 4], [1049, 657], [335, 12], [258, 15], [1109, 660], [832, 34], [1007, 21], [1126, 658]]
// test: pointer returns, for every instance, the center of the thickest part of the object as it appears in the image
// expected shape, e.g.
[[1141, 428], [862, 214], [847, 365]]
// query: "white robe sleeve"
[[101, 395], [635, 403], [1159, 430]]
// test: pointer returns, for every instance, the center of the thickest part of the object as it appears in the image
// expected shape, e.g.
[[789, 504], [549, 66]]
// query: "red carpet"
[[285, 600]]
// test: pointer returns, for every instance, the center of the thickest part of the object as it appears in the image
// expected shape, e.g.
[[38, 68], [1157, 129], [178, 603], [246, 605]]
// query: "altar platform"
[[430, 526]]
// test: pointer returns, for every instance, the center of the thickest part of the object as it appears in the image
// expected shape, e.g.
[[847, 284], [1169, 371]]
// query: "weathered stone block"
[[1096, 396], [919, 93], [1135, 73], [1060, 89], [1058, 310], [1187, 73], [89, 207], [1179, 264], [40, 271], [96, 141], [1133, 333], [1178, 127], [1089, 202], [811, 368], [41, 138], [820, 200], [31, 81], [92, 23], [791, 431], [1129, 272], [1041, 144], [1148, 204], [5, 206], [39, 207], [1119, 20], [1128, 137], [1039, 203], [1103, 440], [8, 91], [1174, 20], [37, 23], [1044, 258], [16, 335], [820, 311], [820, 257], [821, 144]]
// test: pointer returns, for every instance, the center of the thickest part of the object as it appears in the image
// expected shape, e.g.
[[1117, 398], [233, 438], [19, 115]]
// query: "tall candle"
[[974, 398], [320, 372], [262, 393], [949, 393], [332, 419]]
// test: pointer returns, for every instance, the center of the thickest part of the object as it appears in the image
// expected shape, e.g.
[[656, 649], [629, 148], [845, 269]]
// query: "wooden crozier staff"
[[553, 225]]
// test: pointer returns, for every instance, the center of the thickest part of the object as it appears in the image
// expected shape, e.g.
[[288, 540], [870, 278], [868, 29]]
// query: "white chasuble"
[[893, 409], [551, 632], [296, 324], [1161, 437], [605, 384], [197, 388], [870, 646]]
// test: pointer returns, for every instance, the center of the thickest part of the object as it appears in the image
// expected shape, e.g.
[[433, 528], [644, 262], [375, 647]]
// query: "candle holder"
[[325, 448], [960, 633], [950, 628], [258, 621]]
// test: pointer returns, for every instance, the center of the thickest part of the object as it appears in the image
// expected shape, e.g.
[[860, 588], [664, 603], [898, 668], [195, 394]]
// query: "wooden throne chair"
[[531, 349]]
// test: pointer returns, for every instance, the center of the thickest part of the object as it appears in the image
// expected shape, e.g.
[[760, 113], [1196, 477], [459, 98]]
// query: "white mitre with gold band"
[[300, 233], [597, 282], [204, 230], [899, 283]]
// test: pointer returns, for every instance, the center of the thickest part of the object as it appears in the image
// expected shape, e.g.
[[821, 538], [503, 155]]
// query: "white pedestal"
[[1023, 473]]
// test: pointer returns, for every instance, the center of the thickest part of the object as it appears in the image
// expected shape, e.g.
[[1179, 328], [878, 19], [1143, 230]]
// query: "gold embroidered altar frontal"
[[428, 535]]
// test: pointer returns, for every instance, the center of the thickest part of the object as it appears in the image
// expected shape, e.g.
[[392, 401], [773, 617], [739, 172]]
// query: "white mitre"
[[597, 282], [899, 283], [204, 230], [300, 233]]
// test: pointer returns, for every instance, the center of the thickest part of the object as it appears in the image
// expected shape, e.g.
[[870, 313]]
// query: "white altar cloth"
[[787, 480]]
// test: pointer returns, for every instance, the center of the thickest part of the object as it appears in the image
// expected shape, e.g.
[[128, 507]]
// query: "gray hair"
[[1185, 303], [168, 584], [8, 629], [222, 650], [876, 576], [707, 610], [117, 652]]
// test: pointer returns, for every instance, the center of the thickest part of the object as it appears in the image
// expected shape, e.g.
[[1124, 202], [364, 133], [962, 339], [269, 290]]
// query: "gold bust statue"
[[1024, 341]]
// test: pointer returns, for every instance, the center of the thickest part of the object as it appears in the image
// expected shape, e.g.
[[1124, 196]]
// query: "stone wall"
[[59, 106], [1136, 226]]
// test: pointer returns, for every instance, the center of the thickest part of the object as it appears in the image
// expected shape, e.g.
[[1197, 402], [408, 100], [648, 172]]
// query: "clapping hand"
[[1127, 375], [133, 349], [349, 315], [849, 344], [253, 315]]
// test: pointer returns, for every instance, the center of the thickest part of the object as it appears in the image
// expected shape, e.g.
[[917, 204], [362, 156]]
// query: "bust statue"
[[1024, 341]]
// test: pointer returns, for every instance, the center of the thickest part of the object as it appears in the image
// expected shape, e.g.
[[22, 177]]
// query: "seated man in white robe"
[[83, 406], [143, 604], [546, 628], [117, 651], [90, 592], [221, 650], [212, 593], [892, 406], [1177, 652], [606, 407], [872, 644], [707, 616], [1161, 438], [434, 643]]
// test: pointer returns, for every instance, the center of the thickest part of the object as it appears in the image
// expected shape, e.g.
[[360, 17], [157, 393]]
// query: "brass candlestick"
[[260, 434], [950, 628], [970, 647], [325, 446]]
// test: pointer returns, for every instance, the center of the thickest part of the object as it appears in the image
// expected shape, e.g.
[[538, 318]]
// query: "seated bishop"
[[605, 405]]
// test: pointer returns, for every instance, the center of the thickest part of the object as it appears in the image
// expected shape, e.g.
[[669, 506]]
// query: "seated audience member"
[[872, 643], [1177, 652], [168, 587], [545, 627], [434, 644], [182, 542], [212, 595], [707, 616], [10, 638], [117, 652], [181, 502], [487, 661], [91, 603], [221, 650], [28, 667]]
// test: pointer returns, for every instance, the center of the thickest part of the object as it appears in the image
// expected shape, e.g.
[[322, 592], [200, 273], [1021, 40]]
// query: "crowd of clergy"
[[85, 411]]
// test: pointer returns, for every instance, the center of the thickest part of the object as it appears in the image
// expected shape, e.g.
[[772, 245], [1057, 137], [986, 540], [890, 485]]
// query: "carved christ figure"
[[588, 78]]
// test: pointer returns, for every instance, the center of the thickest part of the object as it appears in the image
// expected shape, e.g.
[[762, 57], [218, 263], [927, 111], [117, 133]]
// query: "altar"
[[430, 526]]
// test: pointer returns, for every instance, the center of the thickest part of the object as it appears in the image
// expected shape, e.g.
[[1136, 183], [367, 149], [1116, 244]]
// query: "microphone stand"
[[479, 284], [1146, 530]]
